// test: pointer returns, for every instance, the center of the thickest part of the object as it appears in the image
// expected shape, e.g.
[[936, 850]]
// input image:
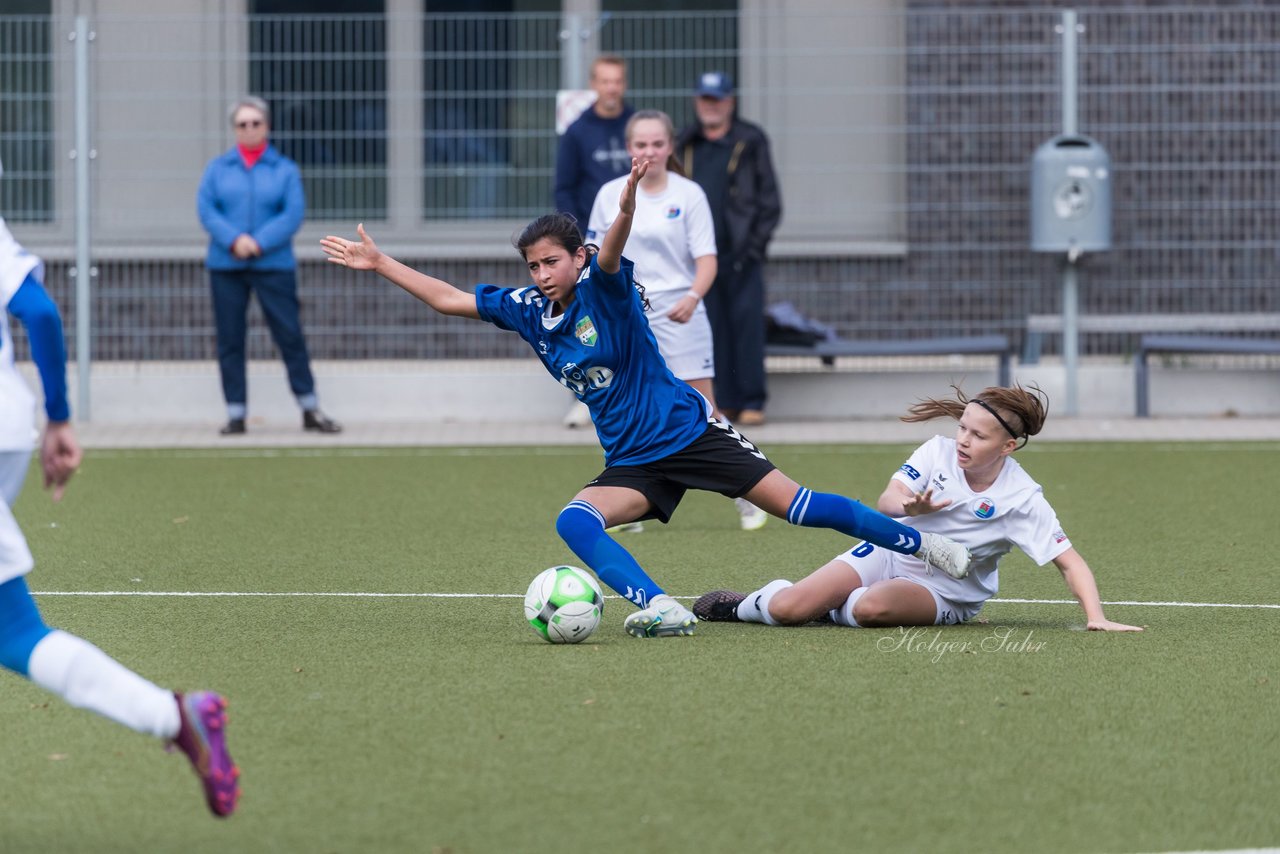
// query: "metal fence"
[[903, 140]]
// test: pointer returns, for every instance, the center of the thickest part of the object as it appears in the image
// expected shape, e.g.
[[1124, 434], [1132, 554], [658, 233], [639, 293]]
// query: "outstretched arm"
[[609, 258], [365, 255], [1081, 583]]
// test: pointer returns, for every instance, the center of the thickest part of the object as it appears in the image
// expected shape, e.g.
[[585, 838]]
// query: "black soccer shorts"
[[720, 460]]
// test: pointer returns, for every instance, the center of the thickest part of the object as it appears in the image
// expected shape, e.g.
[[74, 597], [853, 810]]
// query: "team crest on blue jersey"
[[586, 332], [673, 212], [985, 509]]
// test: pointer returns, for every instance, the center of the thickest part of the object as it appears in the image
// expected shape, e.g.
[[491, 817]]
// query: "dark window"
[[26, 111], [667, 44], [490, 72], [322, 66]]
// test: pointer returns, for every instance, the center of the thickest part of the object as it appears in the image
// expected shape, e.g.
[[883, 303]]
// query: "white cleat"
[[578, 416], [750, 516], [626, 528], [664, 618], [944, 553]]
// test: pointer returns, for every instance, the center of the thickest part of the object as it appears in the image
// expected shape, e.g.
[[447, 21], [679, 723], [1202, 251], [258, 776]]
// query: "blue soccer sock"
[[582, 528], [20, 625], [824, 510]]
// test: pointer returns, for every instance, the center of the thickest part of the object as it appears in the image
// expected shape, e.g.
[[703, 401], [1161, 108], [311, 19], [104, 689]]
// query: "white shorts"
[[878, 564], [686, 347], [15, 557]]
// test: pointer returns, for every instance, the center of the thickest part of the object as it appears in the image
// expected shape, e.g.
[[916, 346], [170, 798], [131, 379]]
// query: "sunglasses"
[[250, 123]]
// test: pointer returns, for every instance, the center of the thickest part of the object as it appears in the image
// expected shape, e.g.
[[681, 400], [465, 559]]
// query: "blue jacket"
[[265, 202]]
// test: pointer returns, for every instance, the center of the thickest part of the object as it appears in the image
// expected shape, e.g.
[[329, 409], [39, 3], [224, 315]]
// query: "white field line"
[[359, 595], [852, 448]]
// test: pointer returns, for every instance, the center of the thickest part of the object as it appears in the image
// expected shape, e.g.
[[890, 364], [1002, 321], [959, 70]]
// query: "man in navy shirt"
[[593, 151]]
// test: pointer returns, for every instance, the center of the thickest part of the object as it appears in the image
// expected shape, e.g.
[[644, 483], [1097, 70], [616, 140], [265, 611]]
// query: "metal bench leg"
[[1141, 379], [1005, 373]]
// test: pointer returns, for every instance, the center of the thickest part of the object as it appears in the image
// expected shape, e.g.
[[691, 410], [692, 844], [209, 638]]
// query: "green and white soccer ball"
[[564, 604]]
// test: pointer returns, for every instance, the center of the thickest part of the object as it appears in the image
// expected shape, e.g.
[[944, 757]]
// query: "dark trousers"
[[277, 292], [735, 308]]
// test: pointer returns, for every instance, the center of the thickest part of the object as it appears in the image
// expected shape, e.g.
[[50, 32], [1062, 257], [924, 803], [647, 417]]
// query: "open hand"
[[627, 201], [921, 503], [358, 256]]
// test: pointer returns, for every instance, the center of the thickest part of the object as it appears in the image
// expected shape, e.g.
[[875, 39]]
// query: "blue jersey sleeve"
[[507, 308], [32, 305]]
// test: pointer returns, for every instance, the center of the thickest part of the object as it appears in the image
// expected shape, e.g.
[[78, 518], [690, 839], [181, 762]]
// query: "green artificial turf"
[[428, 724]]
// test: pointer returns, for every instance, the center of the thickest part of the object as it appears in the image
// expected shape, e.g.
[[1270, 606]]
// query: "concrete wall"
[[150, 393]]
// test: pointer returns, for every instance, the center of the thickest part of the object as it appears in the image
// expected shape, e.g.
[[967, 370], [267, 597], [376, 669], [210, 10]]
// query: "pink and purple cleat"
[[202, 737]]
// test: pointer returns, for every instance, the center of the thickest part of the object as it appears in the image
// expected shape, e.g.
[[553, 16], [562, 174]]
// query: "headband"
[[1003, 423]]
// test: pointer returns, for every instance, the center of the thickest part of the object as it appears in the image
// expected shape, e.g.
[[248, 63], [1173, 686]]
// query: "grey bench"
[[828, 351], [1189, 344], [1038, 325]]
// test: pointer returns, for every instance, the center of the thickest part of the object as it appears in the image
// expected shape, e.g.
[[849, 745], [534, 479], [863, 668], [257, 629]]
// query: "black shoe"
[[318, 422], [233, 427], [718, 606]]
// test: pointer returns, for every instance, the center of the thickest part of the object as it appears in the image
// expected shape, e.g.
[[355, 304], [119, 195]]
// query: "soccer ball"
[[564, 604]]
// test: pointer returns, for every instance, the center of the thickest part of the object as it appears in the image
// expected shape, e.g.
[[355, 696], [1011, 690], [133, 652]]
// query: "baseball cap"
[[714, 84]]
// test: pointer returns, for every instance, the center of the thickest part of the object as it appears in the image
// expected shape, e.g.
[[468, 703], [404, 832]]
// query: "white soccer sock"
[[87, 678], [755, 608], [843, 616]]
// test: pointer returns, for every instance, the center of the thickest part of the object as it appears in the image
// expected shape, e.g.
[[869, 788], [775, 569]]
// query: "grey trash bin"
[[1070, 196]]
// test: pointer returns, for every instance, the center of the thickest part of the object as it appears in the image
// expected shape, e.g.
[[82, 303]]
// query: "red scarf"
[[250, 156]]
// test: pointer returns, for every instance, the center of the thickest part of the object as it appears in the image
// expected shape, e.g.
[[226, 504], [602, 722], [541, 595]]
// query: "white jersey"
[[17, 403], [1011, 512], [668, 231]]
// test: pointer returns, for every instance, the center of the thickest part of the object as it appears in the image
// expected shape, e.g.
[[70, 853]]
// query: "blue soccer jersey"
[[602, 350]]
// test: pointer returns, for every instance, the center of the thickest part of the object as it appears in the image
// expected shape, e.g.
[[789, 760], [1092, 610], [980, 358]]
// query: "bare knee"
[[874, 611], [791, 609], [893, 605]]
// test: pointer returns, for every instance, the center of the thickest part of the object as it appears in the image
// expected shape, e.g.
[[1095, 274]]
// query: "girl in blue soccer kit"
[[584, 318]]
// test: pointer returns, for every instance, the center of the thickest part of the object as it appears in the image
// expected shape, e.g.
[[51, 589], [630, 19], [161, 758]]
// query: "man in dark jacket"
[[730, 160]]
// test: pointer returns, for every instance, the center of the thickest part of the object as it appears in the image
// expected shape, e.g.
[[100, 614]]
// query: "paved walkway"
[[282, 434]]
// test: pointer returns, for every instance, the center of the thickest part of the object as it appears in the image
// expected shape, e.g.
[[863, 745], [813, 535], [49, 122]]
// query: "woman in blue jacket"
[[251, 203]]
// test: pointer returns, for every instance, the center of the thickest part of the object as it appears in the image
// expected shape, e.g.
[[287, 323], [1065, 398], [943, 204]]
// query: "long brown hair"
[[1021, 411]]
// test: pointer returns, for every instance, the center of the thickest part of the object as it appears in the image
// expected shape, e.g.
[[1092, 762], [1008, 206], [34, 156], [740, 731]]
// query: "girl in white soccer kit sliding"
[[673, 245], [967, 488], [69, 666]]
